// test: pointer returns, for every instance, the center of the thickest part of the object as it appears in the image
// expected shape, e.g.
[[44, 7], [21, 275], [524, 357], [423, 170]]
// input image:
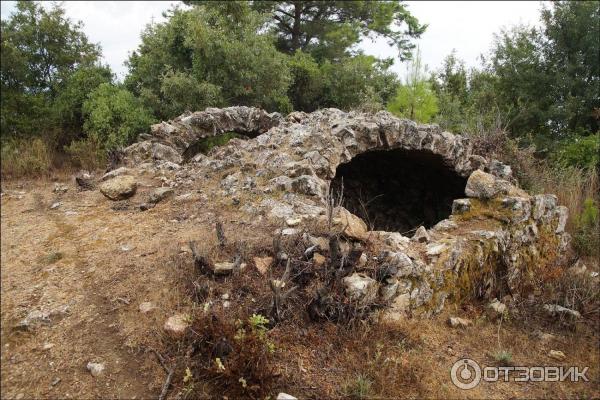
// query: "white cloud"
[[467, 27]]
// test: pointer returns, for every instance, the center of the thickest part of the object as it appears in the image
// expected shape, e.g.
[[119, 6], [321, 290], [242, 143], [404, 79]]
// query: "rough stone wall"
[[495, 242]]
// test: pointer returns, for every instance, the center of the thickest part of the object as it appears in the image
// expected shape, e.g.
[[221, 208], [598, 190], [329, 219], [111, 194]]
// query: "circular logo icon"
[[465, 374]]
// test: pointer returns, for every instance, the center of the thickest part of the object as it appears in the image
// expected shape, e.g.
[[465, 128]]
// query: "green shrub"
[[114, 117], [86, 153], [25, 157], [579, 151]]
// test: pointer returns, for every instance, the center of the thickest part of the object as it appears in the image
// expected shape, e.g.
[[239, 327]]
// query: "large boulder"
[[119, 188]]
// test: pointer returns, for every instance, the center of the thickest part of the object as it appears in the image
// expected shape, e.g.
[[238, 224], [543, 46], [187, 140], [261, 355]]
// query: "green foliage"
[[306, 91], [40, 50], [330, 30], [503, 357], [185, 93], [25, 157], [114, 117], [587, 234], [74, 91], [579, 151], [258, 323], [415, 99], [541, 85], [203, 57]]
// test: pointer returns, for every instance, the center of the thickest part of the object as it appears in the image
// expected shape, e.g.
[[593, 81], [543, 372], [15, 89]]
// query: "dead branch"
[[201, 262], [165, 388], [279, 296], [220, 234]]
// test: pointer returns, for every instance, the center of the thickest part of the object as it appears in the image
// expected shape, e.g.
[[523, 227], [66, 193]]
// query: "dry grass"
[[31, 157], [575, 188]]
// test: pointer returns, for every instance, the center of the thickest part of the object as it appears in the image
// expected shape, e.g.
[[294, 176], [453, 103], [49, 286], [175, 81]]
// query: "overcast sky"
[[467, 27]]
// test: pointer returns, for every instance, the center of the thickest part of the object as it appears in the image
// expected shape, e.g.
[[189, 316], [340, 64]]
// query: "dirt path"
[[91, 261]]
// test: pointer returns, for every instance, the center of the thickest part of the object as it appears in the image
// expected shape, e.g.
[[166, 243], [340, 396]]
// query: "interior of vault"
[[398, 190]]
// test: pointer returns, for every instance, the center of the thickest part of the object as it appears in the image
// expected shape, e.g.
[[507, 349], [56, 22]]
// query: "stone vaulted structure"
[[415, 201]]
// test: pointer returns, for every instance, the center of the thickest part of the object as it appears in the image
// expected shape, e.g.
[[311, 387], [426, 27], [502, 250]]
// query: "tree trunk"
[[296, 26]]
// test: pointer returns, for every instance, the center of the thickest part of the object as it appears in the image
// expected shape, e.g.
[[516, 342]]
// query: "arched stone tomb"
[[451, 223]]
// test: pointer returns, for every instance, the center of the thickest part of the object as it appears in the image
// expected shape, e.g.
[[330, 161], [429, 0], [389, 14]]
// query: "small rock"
[[55, 205], [176, 325], [362, 261], [557, 355], [47, 346], [360, 287], [225, 296], [263, 264], [318, 259], [160, 194], [146, 307], [226, 304], [59, 188], [34, 319], [223, 268], [461, 206], [456, 322], [115, 172], [119, 188], [127, 247], [554, 310], [289, 232], [147, 206], [55, 382], [321, 242], [421, 235], [293, 221], [285, 396], [435, 249], [95, 368]]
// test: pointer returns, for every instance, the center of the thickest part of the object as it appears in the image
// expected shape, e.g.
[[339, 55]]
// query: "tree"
[[329, 29], [40, 50], [450, 87], [73, 92], [216, 58], [114, 117], [415, 99], [571, 48]]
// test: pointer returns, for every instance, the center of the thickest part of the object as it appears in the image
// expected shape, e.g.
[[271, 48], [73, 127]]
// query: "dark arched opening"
[[398, 190]]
